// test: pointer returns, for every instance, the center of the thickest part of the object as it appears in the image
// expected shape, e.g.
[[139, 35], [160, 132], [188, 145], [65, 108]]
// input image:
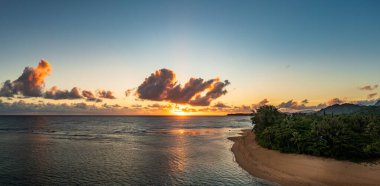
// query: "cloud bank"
[[22, 107], [57, 94], [31, 83]]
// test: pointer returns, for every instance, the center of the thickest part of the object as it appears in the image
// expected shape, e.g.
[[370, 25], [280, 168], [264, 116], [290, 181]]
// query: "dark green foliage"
[[353, 137], [266, 116]]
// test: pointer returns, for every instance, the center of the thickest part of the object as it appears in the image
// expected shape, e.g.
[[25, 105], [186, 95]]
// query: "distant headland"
[[240, 114]]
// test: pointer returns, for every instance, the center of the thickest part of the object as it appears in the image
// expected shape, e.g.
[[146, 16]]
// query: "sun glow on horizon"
[[180, 110]]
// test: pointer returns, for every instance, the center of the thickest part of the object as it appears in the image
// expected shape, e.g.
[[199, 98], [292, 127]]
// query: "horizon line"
[[112, 115]]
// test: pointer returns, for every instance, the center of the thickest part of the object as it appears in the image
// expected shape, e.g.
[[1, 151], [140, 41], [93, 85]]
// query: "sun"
[[180, 113], [180, 110]]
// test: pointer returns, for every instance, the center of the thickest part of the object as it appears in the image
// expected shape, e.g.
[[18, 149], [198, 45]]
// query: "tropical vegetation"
[[353, 136]]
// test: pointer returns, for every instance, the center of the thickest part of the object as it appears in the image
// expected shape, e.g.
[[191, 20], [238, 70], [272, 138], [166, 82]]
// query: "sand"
[[297, 169]]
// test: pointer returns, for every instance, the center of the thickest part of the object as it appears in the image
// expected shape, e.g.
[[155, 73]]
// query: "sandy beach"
[[296, 169]]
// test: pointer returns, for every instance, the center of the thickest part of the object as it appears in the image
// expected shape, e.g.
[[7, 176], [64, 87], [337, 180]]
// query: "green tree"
[[265, 116]]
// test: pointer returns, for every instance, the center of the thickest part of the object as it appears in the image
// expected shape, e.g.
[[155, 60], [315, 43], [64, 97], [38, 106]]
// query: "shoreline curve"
[[298, 169]]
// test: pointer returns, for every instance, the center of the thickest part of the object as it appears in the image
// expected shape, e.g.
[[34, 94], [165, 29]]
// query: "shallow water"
[[98, 150]]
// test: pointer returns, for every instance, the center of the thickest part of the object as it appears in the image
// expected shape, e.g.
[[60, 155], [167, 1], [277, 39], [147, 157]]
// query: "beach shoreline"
[[299, 169]]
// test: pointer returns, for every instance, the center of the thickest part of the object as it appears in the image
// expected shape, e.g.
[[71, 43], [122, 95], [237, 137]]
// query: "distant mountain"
[[350, 109], [307, 111], [337, 109], [370, 110]]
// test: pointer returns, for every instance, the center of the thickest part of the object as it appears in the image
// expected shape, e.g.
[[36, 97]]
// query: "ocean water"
[[125, 150]]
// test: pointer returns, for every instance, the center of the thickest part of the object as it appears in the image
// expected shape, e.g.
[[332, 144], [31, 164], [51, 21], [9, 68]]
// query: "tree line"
[[353, 137]]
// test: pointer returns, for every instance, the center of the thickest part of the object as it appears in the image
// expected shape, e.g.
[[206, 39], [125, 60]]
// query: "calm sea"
[[98, 150]]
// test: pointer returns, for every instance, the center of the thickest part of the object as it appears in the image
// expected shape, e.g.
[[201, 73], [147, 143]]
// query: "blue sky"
[[278, 50]]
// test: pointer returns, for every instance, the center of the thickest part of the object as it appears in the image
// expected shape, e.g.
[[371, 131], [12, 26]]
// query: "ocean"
[[121, 150]]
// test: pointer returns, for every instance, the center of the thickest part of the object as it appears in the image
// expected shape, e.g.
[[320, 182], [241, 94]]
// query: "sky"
[[292, 54]]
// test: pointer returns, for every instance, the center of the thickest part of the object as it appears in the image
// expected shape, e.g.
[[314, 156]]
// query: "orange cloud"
[[335, 101], [38, 76], [30, 83]]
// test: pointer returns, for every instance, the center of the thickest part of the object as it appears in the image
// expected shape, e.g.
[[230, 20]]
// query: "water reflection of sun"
[[179, 150]]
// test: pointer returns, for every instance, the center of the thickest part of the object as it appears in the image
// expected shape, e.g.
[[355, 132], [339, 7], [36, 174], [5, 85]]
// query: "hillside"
[[377, 104], [348, 108], [337, 109]]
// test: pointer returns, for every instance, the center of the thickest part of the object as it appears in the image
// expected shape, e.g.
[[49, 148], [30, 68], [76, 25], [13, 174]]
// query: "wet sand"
[[297, 169]]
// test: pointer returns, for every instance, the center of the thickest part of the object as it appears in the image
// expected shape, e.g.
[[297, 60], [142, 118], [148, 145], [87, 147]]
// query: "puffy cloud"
[[369, 87], [290, 104], [7, 89], [184, 94], [244, 108], [216, 90], [155, 87], [373, 95], [162, 86], [129, 92], [260, 104], [321, 105], [30, 83], [75, 93], [221, 105], [106, 94], [90, 96], [56, 93], [334, 101], [294, 106]]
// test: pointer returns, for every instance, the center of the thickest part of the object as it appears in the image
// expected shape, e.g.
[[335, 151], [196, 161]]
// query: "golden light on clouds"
[[180, 110], [38, 76]]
